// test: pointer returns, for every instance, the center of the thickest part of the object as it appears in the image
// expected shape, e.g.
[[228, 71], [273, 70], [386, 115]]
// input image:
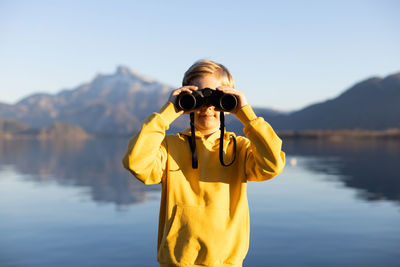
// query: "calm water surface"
[[72, 204]]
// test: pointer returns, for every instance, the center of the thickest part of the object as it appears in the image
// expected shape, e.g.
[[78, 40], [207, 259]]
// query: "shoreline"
[[333, 135], [341, 135]]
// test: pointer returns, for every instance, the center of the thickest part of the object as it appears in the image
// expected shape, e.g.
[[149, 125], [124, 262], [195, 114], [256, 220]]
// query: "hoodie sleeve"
[[146, 155], [263, 155]]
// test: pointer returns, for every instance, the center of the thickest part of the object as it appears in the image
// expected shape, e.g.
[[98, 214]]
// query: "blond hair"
[[205, 67]]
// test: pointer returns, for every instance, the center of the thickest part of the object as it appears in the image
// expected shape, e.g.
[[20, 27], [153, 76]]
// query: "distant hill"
[[62, 130], [10, 126], [116, 104], [12, 129], [372, 104]]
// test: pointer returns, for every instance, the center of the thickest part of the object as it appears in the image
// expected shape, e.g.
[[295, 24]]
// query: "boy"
[[204, 216]]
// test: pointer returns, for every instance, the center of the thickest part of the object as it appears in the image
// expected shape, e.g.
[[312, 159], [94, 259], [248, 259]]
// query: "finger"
[[188, 89], [224, 88], [191, 87], [230, 91], [182, 89]]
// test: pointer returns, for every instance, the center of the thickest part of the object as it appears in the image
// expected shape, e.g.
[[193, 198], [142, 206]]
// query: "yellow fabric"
[[204, 216]]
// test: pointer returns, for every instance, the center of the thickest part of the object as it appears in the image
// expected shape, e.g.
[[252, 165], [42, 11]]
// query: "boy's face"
[[206, 118]]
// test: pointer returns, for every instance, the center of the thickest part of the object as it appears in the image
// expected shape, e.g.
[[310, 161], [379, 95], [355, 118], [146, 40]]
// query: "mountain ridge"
[[370, 104], [117, 103], [108, 104]]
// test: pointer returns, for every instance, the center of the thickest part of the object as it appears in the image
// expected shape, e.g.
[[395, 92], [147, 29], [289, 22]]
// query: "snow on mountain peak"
[[123, 70], [127, 72]]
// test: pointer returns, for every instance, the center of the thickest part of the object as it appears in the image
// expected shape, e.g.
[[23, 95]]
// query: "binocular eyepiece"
[[207, 96]]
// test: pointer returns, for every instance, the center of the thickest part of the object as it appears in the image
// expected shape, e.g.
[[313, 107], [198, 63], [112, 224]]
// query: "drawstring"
[[192, 142]]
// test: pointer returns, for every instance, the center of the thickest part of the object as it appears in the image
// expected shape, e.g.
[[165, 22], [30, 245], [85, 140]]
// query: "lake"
[[70, 203]]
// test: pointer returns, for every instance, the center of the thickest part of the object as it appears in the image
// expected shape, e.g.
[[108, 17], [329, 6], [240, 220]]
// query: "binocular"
[[207, 96]]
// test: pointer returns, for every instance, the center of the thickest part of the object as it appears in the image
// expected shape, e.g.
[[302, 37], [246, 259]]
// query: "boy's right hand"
[[175, 93]]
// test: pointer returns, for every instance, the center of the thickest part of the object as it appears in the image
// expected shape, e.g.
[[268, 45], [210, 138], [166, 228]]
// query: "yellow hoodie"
[[204, 216]]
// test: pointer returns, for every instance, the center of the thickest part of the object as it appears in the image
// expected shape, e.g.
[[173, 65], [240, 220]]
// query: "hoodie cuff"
[[169, 112], [246, 114]]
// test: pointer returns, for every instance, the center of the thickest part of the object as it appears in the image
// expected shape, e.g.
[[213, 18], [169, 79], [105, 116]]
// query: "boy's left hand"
[[240, 96]]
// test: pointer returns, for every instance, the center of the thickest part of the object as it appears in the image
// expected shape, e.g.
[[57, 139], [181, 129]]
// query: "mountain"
[[109, 104], [116, 104], [372, 104]]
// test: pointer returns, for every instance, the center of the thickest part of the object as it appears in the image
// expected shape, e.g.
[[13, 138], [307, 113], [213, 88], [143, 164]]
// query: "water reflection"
[[95, 164], [371, 167]]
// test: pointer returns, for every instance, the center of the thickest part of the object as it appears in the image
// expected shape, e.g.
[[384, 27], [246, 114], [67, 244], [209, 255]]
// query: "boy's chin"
[[207, 125]]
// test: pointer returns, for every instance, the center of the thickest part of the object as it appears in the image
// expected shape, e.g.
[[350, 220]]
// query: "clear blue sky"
[[282, 54]]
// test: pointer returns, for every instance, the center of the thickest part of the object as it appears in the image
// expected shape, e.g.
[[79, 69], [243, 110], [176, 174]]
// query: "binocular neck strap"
[[192, 142], [221, 142]]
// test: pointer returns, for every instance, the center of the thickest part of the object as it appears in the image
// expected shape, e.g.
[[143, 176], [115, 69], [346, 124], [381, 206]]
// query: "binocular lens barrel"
[[228, 102], [186, 101]]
